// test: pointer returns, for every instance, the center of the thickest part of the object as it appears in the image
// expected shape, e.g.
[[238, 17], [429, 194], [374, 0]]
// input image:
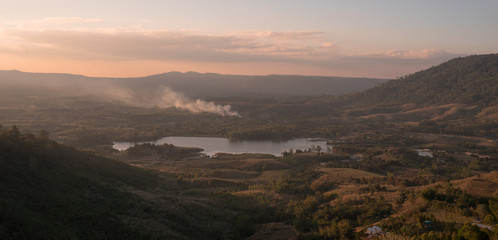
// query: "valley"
[[378, 172]]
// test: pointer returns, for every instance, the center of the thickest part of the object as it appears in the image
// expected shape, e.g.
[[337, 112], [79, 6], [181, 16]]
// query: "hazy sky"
[[371, 38]]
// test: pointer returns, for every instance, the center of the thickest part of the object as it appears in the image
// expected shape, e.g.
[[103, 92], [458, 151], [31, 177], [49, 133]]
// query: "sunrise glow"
[[283, 37]]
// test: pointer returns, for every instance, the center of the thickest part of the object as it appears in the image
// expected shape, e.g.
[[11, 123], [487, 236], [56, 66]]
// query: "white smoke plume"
[[64, 85], [164, 97], [170, 98]]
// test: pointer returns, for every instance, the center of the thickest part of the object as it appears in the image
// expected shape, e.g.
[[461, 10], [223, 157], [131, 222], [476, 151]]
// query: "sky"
[[125, 38]]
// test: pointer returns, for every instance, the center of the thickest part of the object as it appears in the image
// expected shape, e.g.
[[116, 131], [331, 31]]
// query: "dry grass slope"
[[484, 185]]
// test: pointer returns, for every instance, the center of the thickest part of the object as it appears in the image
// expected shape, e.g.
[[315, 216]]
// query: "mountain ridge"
[[194, 84], [468, 80]]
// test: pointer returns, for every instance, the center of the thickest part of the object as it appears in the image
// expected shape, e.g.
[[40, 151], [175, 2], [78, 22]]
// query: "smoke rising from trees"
[[166, 97], [142, 94]]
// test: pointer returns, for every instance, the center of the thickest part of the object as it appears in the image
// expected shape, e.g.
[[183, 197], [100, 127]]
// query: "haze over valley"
[[262, 120]]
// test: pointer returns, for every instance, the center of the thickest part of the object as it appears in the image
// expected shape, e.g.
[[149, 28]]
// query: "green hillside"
[[467, 80]]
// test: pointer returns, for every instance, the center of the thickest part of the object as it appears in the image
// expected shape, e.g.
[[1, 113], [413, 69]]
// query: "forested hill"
[[467, 80], [50, 191]]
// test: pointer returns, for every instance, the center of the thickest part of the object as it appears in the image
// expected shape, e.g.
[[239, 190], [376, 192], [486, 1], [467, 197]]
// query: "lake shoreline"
[[213, 145]]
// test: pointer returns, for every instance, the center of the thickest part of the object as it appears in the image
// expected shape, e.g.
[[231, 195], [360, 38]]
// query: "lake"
[[212, 145]]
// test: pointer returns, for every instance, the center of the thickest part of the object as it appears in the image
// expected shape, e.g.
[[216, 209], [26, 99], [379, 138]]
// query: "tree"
[[318, 148], [180, 180], [44, 134], [471, 232], [329, 149], [14, 132]]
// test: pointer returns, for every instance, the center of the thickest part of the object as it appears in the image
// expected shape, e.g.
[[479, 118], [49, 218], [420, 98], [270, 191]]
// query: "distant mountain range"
[[471, 80], [191, 83], [210, 84], [468, 80]]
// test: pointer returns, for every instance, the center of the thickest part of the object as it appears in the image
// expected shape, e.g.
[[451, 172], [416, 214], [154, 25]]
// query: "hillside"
[[468, 80], [49, 191]]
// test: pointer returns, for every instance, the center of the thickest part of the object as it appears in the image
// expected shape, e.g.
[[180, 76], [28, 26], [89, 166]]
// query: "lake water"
[[212, 145]]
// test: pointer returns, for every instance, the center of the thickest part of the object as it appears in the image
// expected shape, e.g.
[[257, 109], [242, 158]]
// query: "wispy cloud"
[[395, 63], [54, 38], [48, 23], [171, 45], [404, 54]]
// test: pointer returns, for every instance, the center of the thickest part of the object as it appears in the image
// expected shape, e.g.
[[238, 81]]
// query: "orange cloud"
[[120, 53], [167, 45]]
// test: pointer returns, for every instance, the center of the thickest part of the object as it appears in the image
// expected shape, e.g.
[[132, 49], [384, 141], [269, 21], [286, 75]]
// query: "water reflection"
[[212, 145]]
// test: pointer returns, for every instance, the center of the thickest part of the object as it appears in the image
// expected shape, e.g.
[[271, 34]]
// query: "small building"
[[373, 231], [424, 153], [428, 224], [357, 157]]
